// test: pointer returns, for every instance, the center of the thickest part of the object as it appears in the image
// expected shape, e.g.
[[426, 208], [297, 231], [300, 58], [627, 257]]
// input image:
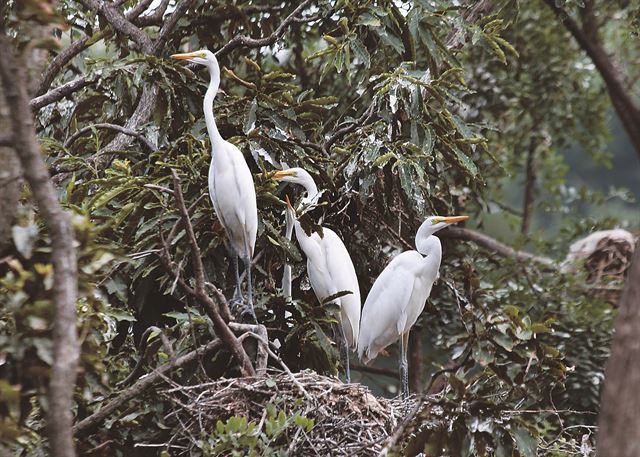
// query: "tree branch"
[[120, 23], [170, 24], [244, 41], [622, 101], [496, 246], [199, 292], [114, 127], [60, 92], [350, 127], [65, 287], [75, 48], [141, 386]]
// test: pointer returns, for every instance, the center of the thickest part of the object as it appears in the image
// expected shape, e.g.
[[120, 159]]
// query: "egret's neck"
[[425, 241], [214, 84], [429, 246], [289, 220], [310, 187]]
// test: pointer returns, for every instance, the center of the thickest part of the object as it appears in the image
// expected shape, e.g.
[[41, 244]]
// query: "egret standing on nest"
[[329, 266], [399, 295], [231, 187]]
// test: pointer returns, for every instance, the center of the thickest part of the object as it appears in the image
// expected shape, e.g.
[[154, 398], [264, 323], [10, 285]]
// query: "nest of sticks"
[[607, 266], [347, 419]]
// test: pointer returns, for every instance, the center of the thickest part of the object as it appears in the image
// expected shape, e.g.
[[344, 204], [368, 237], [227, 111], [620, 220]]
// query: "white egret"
[[399, 295], [329, 266], [231, 187]]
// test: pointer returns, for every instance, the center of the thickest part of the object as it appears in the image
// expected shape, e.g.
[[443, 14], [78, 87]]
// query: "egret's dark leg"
[[237, 293], [404, 366], [248, 307], [344, 353]]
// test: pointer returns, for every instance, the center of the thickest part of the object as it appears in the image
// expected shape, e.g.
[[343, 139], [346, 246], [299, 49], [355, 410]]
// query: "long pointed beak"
[[286, 199], [185, 56], [454, 219], [280, 174]]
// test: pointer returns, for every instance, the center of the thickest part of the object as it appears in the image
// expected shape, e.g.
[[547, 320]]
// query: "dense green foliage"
[[399, 110]]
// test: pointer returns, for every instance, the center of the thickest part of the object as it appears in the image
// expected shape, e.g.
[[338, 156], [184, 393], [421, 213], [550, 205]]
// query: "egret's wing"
[[234, 199], [385, 310], [245, 204], [343, 277]]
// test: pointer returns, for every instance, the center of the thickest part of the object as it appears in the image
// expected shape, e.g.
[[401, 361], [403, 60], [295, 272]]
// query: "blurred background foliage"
[[399, 110]]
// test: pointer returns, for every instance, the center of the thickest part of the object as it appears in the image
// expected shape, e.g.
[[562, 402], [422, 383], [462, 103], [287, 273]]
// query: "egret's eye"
[[436, 220], [203, 55]]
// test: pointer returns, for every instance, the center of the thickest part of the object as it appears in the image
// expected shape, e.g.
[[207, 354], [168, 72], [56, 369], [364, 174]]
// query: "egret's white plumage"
[[329, 264], [286, 273], [231, 185], [331, 270], [399, 295]]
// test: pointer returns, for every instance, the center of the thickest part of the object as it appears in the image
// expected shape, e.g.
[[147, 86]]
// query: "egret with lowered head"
[[329, 266], [231, 187], [399, 295]]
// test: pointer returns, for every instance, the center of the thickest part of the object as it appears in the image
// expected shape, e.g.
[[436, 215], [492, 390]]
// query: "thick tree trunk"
[[9, 177], [619, 432], [13, 76]]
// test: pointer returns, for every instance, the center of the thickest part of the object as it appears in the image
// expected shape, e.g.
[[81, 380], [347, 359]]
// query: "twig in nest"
[[393, 441]]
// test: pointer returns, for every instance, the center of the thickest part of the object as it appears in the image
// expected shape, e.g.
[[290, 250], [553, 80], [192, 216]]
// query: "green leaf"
[[527, 444], [361, 52], [369, 20], [333, 297], [250, 121]]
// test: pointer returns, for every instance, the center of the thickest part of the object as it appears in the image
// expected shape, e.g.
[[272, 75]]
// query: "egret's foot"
[[236, 304], [248, 314]]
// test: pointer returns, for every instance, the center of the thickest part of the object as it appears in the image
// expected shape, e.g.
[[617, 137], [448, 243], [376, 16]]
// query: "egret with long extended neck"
[[231, 187], [399, 295], [329, 266]]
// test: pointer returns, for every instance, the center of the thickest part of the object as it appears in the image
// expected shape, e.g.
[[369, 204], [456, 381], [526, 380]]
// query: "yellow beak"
[[454, 219], [286, 199], [185, 56], [278, 175]]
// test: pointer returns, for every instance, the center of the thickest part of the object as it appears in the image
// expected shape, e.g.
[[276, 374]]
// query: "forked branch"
[[213, 306]]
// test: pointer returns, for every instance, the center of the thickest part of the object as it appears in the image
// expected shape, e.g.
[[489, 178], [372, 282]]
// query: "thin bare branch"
[[248, 42], [198, 267], [170, 24], [118, 128], [211, 306], [350, 127]]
